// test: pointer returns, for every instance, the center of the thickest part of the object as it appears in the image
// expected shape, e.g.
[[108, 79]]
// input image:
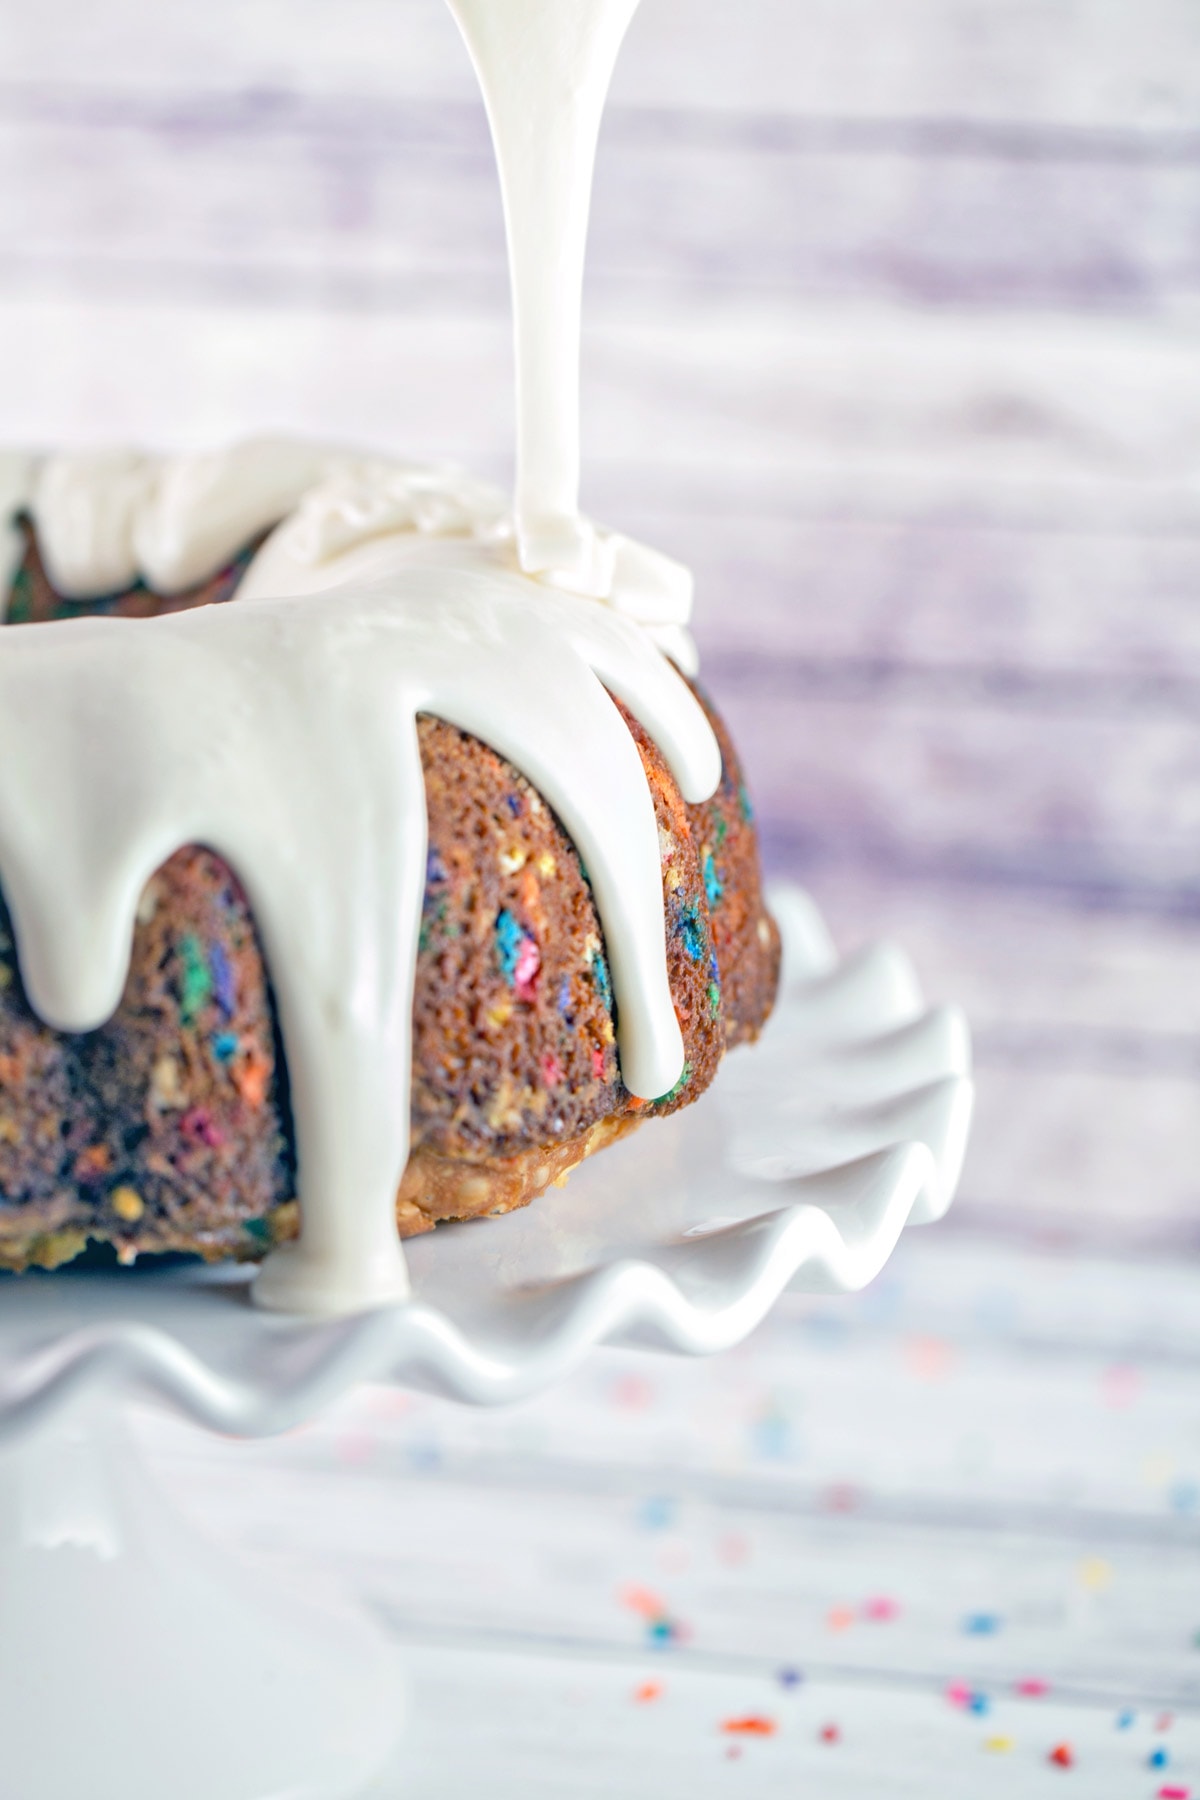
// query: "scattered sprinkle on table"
[[1125, 1719], [981, 1624], [839, 1618], [1164, 1722], [881, 1609], [831, 1734], [1032, 1687], [999, 1745], [1172, 1791], [750, 1725], [1062, 1755], [979, 1703], [1159, 1757], [649, 1690], [1095, 1573], [789, 1678]]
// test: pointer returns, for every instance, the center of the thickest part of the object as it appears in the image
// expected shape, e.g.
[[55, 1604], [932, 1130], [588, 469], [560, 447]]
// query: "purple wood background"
[[892, 332]]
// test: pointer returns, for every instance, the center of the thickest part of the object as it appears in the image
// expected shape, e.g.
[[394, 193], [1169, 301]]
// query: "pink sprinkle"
[[529, 961], [881, 1608], [1164, 1722], [1120, 1385], [634, 1392], [598, 1064], [199, 1127], [959, 1694], [1032, 1687], [831, 1734], [1172, 1792], [551, 1070]]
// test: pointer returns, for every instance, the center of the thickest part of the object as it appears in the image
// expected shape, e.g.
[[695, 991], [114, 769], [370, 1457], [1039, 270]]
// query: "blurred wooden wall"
[[892, 331]]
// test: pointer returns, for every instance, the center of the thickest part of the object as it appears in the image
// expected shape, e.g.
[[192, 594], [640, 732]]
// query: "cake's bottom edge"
[[433, 1189]]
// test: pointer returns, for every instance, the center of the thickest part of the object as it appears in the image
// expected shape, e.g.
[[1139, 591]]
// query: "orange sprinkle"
[[93, 1162], [644, 1602], [839, 1618], [250, 1077], [751, 1725], [649, 1690]]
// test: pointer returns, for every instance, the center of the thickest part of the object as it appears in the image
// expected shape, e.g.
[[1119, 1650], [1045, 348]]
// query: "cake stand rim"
[[836, 1229]]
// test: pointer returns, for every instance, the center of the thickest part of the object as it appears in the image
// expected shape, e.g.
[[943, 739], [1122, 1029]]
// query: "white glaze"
[[281, 730], [106, 518], [281, 733], [544, 67], [370, 516]]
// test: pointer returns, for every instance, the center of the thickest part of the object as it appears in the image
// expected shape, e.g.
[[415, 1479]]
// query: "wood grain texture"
[[986, 1433]]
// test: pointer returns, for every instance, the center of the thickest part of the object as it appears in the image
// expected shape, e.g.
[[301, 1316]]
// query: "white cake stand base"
[[139, 1663]]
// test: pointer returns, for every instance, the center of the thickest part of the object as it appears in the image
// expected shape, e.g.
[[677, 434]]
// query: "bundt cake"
[[368, 857], [169, 1127]]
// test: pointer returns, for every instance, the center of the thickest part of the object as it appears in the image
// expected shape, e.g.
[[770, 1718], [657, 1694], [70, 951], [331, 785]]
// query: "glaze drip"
[[281, 733]]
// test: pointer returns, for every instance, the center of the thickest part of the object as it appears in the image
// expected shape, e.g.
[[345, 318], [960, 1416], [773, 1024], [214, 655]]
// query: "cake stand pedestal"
[[137, 1662]]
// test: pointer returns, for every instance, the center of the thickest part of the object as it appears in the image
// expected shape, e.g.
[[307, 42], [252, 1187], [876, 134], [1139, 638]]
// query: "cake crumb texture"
[[169, 1128]]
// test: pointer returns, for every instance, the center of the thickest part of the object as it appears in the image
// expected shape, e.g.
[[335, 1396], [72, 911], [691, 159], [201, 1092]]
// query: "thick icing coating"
[[282, 734], [107, 518], [280, 730]]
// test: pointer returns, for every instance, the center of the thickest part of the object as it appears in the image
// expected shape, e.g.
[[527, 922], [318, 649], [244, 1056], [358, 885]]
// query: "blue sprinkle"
[[981, 1624], [692, 932], [1125, 1720], [1159, 1758], [772, 1437], [564, 1000], [747, 810], [509, 938], [713, 886], [225, 1046], [224, 986], [789, 1678], [979, 1703], [661, 1631], [657, 1513], [602, 979], [515, 806], [435, 869], [1185, 1497]]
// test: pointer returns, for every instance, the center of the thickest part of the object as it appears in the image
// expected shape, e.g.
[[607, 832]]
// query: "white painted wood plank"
[[549, 1726], [288, 195], [1011, 1435], [1082, 63], [1108, 612], [1016, 419], [1101, 802]]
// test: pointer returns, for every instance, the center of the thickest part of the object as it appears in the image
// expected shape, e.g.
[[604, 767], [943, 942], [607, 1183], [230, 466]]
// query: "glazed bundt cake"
[[169, 1128]]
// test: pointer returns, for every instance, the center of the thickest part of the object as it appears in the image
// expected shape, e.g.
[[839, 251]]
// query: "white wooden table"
[[882, 1514]]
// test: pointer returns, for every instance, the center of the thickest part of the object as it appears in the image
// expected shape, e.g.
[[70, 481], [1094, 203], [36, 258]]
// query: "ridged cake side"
[[169, 1128]]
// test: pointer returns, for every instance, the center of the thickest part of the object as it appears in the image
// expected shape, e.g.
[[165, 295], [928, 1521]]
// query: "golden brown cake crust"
[[169, 1128]]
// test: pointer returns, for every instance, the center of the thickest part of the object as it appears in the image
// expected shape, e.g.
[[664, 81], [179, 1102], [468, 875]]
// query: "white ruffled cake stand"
[[139, 1663]]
